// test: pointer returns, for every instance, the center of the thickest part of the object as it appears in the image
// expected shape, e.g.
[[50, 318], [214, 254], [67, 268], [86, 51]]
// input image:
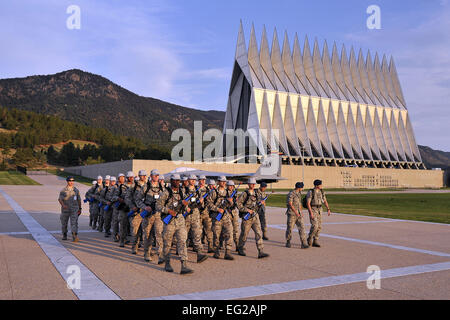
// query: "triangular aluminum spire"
[[380, 81], [351, 129], [370, 132], [412, 139], [309, 69], [289, 66], [289, 125], [373, 80], [396, 137], [311, 126], [241, 55], [298, 109], [299, 69], [404, 137], [253, 125], [328, 70], [343, 132], [381, 141], [266, 64], [388, 136], [388, 82], [338, 75], [333, 131], [356, 78], [323, 131], [360, 129], [275, 57], [266, 124], [396, 82], [319, 72], [278, 124], [254, 62], [345, 67], [365, 80]]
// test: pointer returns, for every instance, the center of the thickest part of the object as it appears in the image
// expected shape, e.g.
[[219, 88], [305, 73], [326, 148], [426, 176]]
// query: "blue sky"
[[182, 51]]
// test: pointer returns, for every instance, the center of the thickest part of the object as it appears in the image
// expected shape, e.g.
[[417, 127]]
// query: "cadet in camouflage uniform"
[[108, 207], [115, 206], [206, 222], [69, 199], [193, 222], [102, 202], [219, 203], [124, 207], [315, 198], [234, 213], [146, 200], [171, 203], [135, 219], [247, 202], [88, 198], [295, 216], [95, 194], [262, 208]]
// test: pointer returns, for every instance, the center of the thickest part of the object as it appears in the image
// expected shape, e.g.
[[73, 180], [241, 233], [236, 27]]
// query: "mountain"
[[434, 158], [93, 100]]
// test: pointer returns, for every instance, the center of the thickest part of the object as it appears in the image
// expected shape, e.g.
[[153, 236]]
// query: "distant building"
[[336, 110]]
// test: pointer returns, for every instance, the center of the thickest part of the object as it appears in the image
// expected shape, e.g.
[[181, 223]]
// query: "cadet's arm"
[[308, 203], [328, 207]]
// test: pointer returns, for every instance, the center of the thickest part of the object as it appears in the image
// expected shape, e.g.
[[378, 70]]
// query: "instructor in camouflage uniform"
[[315, 198], [247, 203], [69, 199], [170, 203], [295, 216]]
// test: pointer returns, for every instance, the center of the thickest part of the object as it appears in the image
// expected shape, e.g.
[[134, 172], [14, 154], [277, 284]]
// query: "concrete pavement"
[[414, 259]]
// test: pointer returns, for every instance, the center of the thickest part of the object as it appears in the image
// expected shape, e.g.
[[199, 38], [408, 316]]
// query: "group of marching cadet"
[[152, 213]]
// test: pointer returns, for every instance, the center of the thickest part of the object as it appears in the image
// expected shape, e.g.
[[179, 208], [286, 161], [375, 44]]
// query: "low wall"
[[332, 177]]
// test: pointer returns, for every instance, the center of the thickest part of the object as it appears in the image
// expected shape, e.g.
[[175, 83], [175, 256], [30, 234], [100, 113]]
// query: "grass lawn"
[[16, 178], [79, 179], [432, 207]]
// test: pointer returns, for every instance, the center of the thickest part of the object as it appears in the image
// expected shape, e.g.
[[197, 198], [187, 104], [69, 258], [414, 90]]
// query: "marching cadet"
[[115, 206], [315, 198], [88, 196], [247, 204], [295, 216], [234, 212], [262, 208], [206, 222], [161, 181], [184, 181], [218, 205], [170, 203], [136, 219], [102, 203], [211, 184], [146, 199], [95, 195], [108, 207], [192, 218], [124, 207], [69, 199]]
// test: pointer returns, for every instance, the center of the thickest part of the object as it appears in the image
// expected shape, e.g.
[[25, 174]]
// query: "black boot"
[[168, 267], [216, 254], [228, 256], [288, 243], [75, 237], [184, 268], [160, 260], [201, 257], [64, 236], [241, 251], [261, 255]]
